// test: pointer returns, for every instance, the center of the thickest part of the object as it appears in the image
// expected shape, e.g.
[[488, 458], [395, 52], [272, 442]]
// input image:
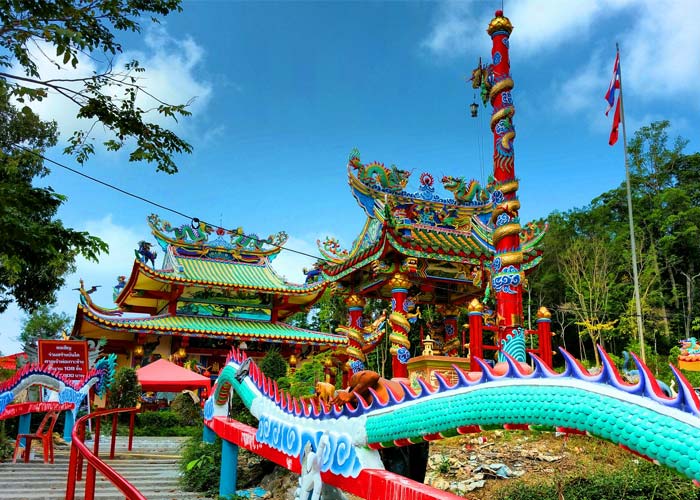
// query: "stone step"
[[153, 467]]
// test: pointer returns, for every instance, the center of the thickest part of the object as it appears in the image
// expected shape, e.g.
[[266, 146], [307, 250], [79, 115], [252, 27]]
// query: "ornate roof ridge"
[[176, 276], [194, 239]]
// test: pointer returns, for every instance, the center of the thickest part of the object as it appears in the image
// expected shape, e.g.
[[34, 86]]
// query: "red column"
[[399, 325], [451, 331], [476, 332], [505, 276], [544, 323]]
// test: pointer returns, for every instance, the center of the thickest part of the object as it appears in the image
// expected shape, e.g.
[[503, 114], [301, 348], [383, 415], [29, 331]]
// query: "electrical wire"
[[156, 204], [175, 211]]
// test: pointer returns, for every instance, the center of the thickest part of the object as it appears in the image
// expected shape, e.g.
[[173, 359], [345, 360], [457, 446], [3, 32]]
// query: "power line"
[[173, 210], [155, 204]]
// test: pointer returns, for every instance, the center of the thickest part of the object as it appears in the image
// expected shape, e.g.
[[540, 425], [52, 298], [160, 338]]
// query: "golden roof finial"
[[499, 23], [475, 306]]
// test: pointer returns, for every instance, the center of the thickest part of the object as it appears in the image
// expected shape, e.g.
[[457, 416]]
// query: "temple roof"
[[195, 265], [421, 224], [88, 321]]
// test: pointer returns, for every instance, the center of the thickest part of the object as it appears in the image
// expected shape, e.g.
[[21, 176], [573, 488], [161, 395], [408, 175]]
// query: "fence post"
[[229, 469], [91, 472], [208, 435], [25, 421], [69, 422], [131, 428]]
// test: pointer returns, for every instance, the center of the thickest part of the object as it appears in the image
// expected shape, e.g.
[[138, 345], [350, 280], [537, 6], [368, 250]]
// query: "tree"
[[37, 250], [125, 391], [586, 267], [273, 364], [61, 32], [42, 324]]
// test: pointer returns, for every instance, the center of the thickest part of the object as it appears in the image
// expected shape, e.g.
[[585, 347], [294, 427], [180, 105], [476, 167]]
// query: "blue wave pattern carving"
[[339, 457]]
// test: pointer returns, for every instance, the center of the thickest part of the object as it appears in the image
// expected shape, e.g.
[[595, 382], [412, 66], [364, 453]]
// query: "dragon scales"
[[635, 416]]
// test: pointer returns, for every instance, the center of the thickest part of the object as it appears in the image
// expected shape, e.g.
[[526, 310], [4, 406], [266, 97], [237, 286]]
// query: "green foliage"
[[125, 391], [302, 382], [638, 482], [42, 324], [444, 465], [187, 411], [273, 364], [38, 251], [6, 445], [161, 423], [238, 411], [665, 186], [201, 466], [108, 97], [328, 313]]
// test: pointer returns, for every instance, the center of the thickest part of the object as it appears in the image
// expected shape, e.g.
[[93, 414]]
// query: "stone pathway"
[[152, 466]]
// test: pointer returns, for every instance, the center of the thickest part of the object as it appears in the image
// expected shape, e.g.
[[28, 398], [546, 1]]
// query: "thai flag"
[[614, 85]]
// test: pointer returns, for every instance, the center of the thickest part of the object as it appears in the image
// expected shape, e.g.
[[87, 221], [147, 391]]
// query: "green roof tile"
[[213, 326], [214, 272]]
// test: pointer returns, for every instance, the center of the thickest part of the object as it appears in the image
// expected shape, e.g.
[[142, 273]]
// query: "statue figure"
[[144, 253], [464, 191], [310, 483]]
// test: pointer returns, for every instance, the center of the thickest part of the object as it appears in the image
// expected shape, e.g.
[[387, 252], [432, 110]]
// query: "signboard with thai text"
[[69, 357]]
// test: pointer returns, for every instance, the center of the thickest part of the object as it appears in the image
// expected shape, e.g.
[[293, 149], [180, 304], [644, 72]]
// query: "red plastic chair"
[[44, 432]]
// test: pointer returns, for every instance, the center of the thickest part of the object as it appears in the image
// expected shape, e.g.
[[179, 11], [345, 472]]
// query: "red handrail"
[[80, 451]]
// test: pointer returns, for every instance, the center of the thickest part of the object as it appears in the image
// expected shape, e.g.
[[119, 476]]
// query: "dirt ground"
[[477, 466]]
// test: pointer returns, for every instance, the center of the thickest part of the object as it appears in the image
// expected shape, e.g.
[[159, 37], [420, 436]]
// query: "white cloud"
[[458, 29], [658, 62], [121, 240], [661, 56], [539, 24], [172, 75], [290, 265], [10, 326]]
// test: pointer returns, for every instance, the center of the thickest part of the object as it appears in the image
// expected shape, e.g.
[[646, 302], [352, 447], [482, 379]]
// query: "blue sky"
[[283, 92]]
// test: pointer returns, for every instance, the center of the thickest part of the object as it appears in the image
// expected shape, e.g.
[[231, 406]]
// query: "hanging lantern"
[[474, 109], [138, 351]]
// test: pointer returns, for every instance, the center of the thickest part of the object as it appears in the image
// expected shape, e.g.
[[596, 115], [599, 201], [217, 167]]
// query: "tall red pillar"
[[505, 276], [544, 324], [451, 332], [476, 333], [400, 325]]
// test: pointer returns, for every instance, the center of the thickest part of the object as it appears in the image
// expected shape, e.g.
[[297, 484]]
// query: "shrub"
[[273, 364], [201, 466], [6, 445], [125, 391], [186, 409]]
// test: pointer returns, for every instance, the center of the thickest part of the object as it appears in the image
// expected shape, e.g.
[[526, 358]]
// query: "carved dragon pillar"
[[353, 331], [505, 276], [400, 325]]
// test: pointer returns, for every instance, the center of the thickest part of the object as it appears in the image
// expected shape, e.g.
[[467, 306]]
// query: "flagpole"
[[635, 276]]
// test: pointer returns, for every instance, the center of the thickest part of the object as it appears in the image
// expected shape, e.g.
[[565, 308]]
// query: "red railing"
[[79, 452]]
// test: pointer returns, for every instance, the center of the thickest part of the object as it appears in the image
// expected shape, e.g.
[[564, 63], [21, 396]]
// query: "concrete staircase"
[[152, 467]]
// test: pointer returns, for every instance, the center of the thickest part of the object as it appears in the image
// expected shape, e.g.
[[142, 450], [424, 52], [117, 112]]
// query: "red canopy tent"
[[164, 376]]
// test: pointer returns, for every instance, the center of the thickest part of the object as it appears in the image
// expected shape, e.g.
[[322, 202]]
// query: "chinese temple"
[[448, 245], [215, 289], [451, 251]]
